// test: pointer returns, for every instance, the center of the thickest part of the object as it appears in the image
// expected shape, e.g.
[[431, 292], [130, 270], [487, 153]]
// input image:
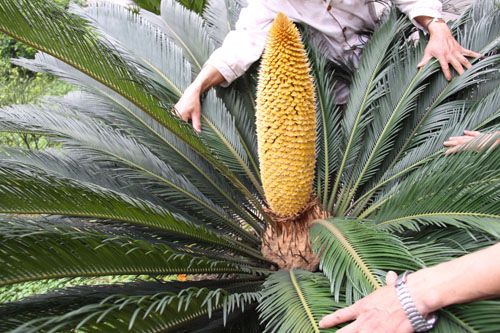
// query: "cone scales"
[[286, 120]]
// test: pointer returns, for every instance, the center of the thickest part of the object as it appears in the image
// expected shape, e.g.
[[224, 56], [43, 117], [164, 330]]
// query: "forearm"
[[471, 277], [208, 77]]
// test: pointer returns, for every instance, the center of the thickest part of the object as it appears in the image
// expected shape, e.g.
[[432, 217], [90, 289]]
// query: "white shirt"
[[337, 22]]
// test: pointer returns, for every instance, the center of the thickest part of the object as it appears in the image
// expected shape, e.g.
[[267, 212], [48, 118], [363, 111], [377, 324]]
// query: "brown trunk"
[[288, 245]]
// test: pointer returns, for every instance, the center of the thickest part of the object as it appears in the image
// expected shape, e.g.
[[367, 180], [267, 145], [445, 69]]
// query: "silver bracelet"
[[417, 320]]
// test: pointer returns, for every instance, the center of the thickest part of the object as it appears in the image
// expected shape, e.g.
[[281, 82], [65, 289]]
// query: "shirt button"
[[329, 7]]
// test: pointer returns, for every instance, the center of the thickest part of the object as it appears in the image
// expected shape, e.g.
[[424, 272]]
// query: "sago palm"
[[128, 189]]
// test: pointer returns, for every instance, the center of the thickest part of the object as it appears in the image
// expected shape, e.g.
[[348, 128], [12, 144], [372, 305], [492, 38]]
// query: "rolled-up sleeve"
[[416, 8], [244, 45]]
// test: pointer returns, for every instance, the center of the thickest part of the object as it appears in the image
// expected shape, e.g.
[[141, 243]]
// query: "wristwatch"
[[417, 320]]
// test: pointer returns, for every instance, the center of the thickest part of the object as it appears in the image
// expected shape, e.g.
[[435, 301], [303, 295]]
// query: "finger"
[[451, 151], [351, 328], [451, 143], [390, 278], [363, 323], [338, 317], [472, 133], [445, 68], [176, 111], [425, 60], [457, 65], [471, 54], [464, 61], [185, 116], [196, 122]]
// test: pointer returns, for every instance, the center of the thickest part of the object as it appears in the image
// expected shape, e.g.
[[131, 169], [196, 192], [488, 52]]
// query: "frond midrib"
[[303, 301], [352, 251], [444, 214]]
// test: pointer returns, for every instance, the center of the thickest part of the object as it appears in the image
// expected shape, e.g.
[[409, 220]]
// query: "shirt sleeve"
[[415, 8], [244, 45]]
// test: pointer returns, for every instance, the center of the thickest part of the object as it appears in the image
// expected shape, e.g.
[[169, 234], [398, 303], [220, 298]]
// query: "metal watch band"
[[418, 322]]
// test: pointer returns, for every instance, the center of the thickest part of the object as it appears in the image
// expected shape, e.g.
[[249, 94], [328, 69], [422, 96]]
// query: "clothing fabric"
[[341, 25]]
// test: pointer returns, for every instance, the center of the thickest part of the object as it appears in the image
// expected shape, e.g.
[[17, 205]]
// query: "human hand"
[[189, 107], [456, 144], [444, 47], [379, 312]]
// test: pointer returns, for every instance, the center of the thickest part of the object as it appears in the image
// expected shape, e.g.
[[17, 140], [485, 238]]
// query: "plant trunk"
[[288, 245]]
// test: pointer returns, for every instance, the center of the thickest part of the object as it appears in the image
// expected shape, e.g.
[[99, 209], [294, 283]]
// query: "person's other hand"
[[189, 107], [379, 312], [444, 47], [456, 143]]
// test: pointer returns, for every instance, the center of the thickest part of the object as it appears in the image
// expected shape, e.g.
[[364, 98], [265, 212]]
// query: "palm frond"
[[135, 161], [461, 190], [184, 311], [187, 30], [364, 90], [49, 28], [101, 102], [221, 135], [436, 245], [141, 43], [404, 84], [295, 301], [450, 118], [354, 255], [328, 123], [43, 252], [219, 19], [52, 195], [41, 25], [473, 317]]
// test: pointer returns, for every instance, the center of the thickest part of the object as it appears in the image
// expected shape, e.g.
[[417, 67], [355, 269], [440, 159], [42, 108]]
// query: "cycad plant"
[[128, 189]]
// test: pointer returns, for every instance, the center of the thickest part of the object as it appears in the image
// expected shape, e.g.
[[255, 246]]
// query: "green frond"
[[219, 17], [101, 102], [295, 301], [134, 160], [188, 31], [404, 84], [48, 28], [460, 190], [141, 43], [473, 317], [480, 27], [430, 126], [328, 123], [62, 301], [165, 311], [364, 91], [221, 135], [354, 255], [37, 252], [52, 195], [434, 245]]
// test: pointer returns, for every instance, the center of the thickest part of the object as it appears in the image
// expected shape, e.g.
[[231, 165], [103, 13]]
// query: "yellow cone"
[[286, 120]]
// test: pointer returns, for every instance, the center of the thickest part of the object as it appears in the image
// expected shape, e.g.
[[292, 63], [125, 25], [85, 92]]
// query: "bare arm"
[[471, 277]]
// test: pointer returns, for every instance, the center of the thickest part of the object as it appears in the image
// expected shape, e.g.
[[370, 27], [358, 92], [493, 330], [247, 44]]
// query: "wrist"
[[436, 26], [427, 297]]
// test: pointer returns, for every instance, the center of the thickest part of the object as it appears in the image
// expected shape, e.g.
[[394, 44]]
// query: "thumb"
[[196, 121], [424, 60]]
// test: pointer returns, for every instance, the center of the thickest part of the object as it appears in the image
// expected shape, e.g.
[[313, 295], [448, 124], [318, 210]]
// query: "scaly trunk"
[[288, 245]]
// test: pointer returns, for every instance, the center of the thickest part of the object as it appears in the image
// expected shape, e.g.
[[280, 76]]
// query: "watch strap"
[[417, 320]]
